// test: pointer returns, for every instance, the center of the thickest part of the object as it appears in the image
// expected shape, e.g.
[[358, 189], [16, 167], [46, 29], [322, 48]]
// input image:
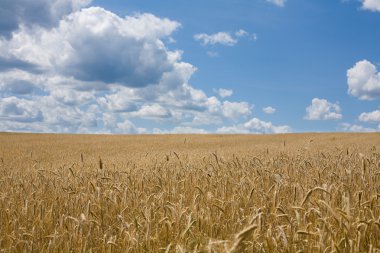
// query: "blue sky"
[[217, 66]]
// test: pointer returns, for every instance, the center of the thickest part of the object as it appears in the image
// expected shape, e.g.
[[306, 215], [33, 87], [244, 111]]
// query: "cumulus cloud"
[[60, 117], [94, 71], [372, 5], [12, 63], [180, 130], [118, 102], [127, 127], [222, 38], [17, 82], [347, 127], [364, 81], [223, 93], [96, 45], [321, 109], [153, 111], [280, 3], [373, 116], [19, 110], [269, 110], [17, 87], [256, 126], [235, 110], [45, 13], [71, 97]]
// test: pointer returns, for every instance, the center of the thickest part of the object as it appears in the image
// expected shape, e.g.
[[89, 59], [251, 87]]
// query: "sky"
[[215, 66]]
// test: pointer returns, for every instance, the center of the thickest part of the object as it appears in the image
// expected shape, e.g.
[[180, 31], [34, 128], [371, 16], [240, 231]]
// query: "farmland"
[[190, 193]]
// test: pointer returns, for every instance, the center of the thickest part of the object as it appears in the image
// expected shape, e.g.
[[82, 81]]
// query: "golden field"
[[190, 193]]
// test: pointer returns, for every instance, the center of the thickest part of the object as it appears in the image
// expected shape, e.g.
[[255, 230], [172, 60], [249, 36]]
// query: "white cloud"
[[356, 128], [127, 127], [373, 116], [222, 38], [236, 110], [280, 3], [236, 129], [17, 87], [180, 130], [203, 119], [72, 97], [147, 25], [372, 5], [61, 117], [223, 93], [117, 102], [211, 111], [269, 110], [19, 110], [364, 81], [45, 114], [14, 126], [241, 33], [94, 71], [45, 13], [19, 82], [97, 45], [153, 111], [321, 109], [257, 126]]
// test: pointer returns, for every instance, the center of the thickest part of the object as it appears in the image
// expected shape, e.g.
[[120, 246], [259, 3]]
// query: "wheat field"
[[190, 193]]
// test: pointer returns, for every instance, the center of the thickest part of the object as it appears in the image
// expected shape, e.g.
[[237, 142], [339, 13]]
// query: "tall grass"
[[205, 194]]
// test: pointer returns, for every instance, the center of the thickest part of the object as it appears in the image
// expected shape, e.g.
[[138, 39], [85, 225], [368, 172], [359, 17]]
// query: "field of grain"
[[190, 193]]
